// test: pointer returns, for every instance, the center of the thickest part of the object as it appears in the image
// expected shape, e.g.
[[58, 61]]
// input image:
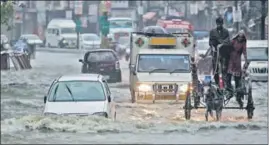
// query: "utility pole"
[[236, 8], [167, 9], [23, 19], [140, 13], [263, 12]]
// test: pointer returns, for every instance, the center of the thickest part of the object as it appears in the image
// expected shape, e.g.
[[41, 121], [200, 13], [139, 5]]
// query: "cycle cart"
[[199, 97]]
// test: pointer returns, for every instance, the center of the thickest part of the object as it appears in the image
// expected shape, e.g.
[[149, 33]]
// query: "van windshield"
[[166, 62], [68, 30]]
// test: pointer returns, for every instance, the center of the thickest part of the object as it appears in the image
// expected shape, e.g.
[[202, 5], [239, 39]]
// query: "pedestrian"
[[234, 67]]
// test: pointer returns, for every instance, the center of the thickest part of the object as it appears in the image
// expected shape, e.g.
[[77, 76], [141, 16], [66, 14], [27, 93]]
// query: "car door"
[[111, 105]]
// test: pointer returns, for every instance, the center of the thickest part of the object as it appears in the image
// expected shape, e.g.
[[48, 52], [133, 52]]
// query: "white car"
[[32, 39], [82, 95], [90, 41], [256, 54]]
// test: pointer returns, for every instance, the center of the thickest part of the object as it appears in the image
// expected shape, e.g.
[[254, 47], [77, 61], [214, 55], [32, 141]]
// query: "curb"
[[58, 50]]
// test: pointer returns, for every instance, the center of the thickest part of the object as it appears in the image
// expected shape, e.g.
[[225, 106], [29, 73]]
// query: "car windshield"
[[31, 37], [91, 38], [68, 30], [124, 40], [202, 45], [254, 53], [169, 62], [120, 24], [77, 91], [101, 56]]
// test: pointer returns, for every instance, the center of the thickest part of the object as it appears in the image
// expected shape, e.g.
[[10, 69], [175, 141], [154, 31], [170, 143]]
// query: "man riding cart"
[[226, 61]]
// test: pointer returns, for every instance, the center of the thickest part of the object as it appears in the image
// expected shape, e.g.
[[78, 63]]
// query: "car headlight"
[[64, 41], [103, 114], [144, 88]]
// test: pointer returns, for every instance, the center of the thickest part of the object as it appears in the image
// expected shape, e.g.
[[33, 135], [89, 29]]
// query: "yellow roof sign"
[[168, 41]]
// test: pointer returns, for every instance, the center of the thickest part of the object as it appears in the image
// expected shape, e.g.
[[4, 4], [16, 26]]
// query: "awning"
[[149, 15]]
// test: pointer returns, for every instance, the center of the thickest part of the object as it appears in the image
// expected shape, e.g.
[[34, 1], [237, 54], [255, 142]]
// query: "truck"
[[160, 66]]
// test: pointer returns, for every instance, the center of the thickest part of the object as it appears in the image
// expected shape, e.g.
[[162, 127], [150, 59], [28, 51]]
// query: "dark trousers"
[[238, 85], [224, 62]]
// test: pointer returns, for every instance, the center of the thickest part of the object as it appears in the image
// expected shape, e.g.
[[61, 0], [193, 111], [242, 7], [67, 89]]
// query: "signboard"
[[78, 7], [163, 41], [237, 15], [93, 9], [68, 14], [84, 22], [18, 17], [119, 4]]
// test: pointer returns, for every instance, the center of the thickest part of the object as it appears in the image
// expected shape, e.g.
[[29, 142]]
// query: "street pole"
[[140, 11], [263, 19], [236, 23], [23, 20]]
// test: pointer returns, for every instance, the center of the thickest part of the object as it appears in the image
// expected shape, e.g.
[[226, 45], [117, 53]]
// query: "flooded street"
[[22, 121]]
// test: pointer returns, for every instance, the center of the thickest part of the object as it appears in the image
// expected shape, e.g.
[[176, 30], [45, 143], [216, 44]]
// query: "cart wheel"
[[250, 105], [188, 107]]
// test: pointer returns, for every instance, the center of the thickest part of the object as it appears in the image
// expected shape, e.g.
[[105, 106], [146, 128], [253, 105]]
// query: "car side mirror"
[[45, 99], [109, 99], [80, 60]]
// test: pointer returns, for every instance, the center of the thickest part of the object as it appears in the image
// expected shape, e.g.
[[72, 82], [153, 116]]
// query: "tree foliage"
[[6, 12]]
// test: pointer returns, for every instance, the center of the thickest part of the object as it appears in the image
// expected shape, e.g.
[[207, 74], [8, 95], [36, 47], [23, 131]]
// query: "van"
[[59, 30]]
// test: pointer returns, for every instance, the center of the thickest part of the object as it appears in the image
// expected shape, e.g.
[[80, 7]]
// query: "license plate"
[[106, 77]]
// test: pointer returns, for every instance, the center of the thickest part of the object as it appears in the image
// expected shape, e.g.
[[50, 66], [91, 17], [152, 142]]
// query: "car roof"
[[99, 50], [26, 35], [80, 77], [89, 34], [119, 18]]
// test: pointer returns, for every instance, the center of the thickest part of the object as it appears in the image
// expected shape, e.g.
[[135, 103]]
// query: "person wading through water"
[[234, 67]]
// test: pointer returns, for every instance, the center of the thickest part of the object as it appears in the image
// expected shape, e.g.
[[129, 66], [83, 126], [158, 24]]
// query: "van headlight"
[[183, 88], [103, 114], [144, 88]]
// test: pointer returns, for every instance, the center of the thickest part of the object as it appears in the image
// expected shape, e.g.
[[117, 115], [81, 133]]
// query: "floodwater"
[[22, 120]]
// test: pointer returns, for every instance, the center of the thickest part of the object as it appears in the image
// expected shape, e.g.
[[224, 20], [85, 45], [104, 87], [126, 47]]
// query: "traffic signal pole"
[[263, 19]]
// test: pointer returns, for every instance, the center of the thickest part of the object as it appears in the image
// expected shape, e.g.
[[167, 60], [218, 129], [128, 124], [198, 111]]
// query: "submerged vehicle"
[[82, 95]]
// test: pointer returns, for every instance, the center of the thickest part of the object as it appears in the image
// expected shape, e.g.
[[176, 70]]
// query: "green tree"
[[6, 12]]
